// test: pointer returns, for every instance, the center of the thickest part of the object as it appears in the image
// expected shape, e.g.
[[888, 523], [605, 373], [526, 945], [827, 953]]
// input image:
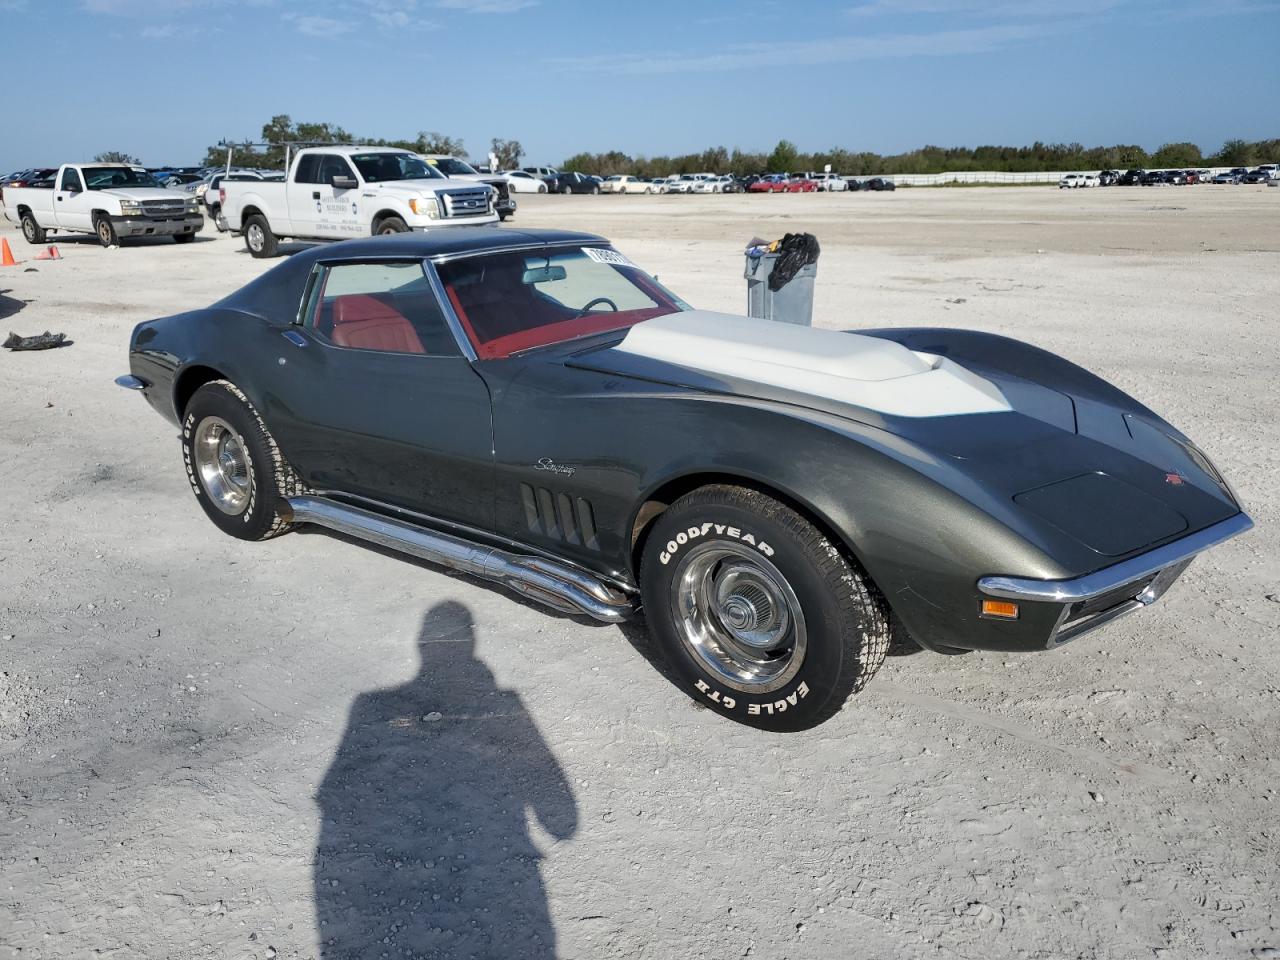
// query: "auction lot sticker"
[[600, 255]]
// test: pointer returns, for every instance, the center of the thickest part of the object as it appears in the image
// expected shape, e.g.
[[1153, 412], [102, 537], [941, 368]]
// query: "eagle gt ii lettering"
[[781, 501]]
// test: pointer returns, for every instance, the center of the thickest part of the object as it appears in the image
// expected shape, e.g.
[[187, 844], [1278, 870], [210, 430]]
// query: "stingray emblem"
[[1174, 478]]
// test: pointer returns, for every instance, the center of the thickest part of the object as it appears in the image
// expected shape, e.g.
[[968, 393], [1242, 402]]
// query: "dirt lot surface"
[[217, 749]]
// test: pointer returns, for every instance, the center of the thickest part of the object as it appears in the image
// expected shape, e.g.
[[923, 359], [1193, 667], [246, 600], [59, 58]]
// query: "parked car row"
[[1138, 177]]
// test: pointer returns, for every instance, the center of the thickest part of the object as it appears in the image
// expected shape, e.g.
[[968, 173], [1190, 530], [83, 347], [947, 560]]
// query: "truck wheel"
[[235, 469], [183, 237], [391, 225], [32, 231], [106, 232], [258, 237], [760, 616]]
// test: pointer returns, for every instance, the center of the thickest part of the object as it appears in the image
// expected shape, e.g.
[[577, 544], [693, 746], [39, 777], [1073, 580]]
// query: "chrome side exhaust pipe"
[[545, 581]]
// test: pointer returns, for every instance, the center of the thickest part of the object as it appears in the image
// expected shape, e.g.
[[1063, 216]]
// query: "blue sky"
[[165, 78]]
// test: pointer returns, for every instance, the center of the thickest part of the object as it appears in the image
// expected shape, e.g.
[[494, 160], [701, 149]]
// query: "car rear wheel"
[[32, 231], [236, 471], [760, 616], [105, 231], [258, 237]]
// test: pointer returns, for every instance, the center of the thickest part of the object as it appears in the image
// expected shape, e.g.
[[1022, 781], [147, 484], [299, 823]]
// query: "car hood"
[[1038, 446], [417, 187], [144, 193]]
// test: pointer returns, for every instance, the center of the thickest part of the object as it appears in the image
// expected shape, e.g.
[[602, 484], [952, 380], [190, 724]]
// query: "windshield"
[[509, 302], [381, 167], [109, 178], [453, 168]]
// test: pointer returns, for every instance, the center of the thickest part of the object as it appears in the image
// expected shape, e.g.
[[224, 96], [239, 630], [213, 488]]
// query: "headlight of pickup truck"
[[130, 208], [193, 206], [426, 208]]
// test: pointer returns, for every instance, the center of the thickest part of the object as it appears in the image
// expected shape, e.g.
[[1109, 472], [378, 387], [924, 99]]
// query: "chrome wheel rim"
[[223, 464], [29, 230], [739, 617], [104, 231], [255, 237]]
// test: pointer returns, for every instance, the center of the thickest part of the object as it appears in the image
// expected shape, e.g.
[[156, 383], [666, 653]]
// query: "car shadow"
[[424, 847], [286, 249], [10, 305]]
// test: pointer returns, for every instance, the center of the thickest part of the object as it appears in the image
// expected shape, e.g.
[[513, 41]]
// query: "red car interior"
[[366, 323]]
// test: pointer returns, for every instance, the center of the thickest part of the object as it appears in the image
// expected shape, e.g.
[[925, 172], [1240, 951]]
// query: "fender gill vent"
[[558, 516]]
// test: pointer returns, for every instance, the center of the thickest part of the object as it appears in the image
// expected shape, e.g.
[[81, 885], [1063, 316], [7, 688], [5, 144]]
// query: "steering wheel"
[[587, 309]]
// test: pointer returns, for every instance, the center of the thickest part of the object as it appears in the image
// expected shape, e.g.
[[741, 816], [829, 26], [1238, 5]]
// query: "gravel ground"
[[217, 749]]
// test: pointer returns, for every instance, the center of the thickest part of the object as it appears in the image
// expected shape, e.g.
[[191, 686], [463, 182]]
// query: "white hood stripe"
[[863, 371]]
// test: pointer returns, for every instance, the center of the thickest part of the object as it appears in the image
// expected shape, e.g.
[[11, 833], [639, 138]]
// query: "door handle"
[[315, 195], [294, 337], [60, 199]]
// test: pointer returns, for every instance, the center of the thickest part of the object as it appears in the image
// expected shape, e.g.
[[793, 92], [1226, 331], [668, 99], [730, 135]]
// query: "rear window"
[[510, 302]]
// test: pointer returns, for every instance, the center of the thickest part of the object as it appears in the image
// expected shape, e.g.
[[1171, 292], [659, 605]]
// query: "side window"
[[387, 307], [70, 180], [332, 166], [308, 169]]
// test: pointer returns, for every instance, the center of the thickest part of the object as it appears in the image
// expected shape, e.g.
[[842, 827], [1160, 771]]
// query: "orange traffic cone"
[[50, 254], [6, 255]]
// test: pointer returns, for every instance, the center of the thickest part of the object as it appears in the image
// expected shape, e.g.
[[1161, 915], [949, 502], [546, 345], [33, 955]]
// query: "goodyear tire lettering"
[[684, 537]]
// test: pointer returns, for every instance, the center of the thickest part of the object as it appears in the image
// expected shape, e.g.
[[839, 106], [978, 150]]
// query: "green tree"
[[1177, 155], [115, 156], [508, 152], [784, 158], [1236, 153], [431, 142]]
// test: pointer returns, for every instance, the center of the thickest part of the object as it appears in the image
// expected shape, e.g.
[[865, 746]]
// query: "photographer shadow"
[[425, 849]]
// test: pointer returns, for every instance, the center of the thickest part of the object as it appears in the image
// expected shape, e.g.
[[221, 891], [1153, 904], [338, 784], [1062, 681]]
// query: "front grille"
[[559, 517], [466, 203], [164, 208], [1105, 601]]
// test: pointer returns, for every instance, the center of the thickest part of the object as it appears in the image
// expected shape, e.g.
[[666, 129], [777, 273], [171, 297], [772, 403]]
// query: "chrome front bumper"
[[1110, 593]]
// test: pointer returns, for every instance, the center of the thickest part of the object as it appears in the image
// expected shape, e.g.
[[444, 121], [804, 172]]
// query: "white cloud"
[[318, 26], [754, 56], [397, 15], [159, 32], [486, 6]]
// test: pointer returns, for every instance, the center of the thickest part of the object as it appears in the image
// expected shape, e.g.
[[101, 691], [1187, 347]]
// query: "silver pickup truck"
[[113, 201]]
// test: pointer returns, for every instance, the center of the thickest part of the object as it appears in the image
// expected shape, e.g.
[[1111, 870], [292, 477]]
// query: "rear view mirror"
[[344, 183], [543, 274]]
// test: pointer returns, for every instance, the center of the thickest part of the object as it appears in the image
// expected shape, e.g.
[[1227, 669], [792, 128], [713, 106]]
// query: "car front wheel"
[[235, 469], [761, 617], [106, 232]]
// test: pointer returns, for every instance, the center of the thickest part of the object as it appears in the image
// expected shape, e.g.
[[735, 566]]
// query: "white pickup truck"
[[110, 200], [336, 193]]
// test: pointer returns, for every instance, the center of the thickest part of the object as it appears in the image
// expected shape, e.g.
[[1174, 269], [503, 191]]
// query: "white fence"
[[996, 176]]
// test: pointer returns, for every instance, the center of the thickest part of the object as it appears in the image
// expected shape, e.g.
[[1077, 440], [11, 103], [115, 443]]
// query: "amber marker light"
[[1000, 609]]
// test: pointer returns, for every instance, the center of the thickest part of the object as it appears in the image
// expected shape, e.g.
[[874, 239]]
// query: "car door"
[[374, 398], [72, 204]]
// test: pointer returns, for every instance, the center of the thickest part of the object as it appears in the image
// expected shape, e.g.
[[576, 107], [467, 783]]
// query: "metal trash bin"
[[792, 304]]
